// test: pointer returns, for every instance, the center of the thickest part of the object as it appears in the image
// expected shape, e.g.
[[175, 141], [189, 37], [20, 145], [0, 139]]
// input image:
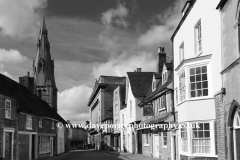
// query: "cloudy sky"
[[88, 38]]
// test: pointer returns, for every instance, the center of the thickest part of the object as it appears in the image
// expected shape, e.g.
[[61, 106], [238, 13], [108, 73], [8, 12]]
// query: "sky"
[[88, 38]]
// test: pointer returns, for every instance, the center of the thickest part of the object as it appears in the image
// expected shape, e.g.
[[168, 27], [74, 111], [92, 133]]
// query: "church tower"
[[43, 69]]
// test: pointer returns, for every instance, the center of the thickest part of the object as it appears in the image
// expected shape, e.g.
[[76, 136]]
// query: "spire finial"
[[43, 23]]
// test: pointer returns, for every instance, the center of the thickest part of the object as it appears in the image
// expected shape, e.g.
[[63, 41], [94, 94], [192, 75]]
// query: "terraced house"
[[197, 67], [156, 108]]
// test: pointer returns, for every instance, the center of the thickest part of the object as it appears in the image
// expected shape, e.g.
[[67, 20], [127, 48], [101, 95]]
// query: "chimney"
[[139, 69], [161, 59], [28, 82], [39, 93]]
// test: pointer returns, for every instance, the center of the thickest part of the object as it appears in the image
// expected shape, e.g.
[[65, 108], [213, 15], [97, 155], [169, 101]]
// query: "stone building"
[[228, 99]]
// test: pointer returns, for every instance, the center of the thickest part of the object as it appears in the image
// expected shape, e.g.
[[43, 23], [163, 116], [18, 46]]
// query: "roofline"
[[221, 4], [26, 113], [100, 85], [183, 18]]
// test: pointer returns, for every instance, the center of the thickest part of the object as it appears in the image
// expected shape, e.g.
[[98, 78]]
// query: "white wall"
[[60, 140]]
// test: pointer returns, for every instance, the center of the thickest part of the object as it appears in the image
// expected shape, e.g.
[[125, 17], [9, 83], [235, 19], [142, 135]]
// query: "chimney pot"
[[28, 73], [139, 69], [161, 50]]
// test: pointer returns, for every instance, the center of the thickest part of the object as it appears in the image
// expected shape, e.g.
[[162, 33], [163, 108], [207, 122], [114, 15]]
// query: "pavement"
[[61, 156], [129, 156]]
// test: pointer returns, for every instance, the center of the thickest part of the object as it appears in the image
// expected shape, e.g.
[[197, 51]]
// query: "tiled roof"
[[140, 82], [158, 75], [158, 89], [169, 65], [28, 102]]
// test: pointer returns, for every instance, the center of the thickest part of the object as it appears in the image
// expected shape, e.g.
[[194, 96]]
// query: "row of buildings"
[[28, 110], [199, 87]]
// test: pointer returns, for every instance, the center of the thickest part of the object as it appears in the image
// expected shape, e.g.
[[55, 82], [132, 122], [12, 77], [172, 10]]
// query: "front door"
[[140, 141], [156, 146], [51, 145], [8, 145], [23, 144]]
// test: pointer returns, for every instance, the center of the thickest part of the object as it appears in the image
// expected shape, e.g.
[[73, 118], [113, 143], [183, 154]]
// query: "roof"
[[28, 102], [191, 4], [140, 82], [158, 75], [221, 4], [169, 65], [150, 95]]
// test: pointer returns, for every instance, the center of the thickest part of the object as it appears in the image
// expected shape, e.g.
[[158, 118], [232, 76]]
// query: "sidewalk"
[[59, 156], [130, 156]]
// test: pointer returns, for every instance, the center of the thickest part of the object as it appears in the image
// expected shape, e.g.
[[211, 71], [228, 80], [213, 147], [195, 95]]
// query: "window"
[[198, 82], [184, 140], [201, 138], [154, 85], [182, 87], [52, 124], [8, 109], [162, 102], [164, 139], [198, 31], [181, 52], [44, 144], [164, 77], [116, 95], [40, 122], [29, 122], [116, 109], [130, 108]]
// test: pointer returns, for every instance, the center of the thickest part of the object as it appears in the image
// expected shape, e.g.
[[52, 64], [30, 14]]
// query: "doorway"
[[8, 146], [156, 146]]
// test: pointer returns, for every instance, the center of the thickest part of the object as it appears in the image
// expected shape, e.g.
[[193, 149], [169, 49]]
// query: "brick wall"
[[8, 123]]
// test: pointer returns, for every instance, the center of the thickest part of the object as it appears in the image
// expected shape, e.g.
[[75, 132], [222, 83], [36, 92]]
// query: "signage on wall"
[[148, 110]]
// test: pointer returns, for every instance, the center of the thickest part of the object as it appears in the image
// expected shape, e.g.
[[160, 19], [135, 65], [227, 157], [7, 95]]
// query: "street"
[[93, 155]]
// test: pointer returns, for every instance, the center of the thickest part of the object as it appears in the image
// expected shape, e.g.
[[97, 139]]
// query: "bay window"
[[198, 82], [184, 139], [201, 141], [182, 87]]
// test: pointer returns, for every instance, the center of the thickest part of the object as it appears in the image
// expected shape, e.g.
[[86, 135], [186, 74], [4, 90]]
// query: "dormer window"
[[164, 76], [154, 85]]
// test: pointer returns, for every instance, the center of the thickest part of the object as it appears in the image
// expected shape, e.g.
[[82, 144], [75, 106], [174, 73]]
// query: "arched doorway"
[[236, 134]]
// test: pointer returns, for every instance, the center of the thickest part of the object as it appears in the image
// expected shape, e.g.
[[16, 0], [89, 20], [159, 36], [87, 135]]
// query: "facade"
[[29, 122], [118, 103], [197, 67], [227, 100], [101, 111], [156, 108], [137, 85], [123, 134]]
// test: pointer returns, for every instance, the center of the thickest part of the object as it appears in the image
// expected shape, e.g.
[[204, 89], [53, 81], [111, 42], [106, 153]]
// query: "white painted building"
[[137, 85], [197, 65]]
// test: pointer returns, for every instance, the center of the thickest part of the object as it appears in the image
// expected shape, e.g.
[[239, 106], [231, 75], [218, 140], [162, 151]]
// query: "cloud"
[[11, 56], [126, 63], [161, 34], [20, 18], [72, 103], [115, 16]]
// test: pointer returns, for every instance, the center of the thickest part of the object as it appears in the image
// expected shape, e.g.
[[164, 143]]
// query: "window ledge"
[[198, 154], [146, 145], [8, 118], [29, 129], [162, 109], [164, 146], [195, 99]]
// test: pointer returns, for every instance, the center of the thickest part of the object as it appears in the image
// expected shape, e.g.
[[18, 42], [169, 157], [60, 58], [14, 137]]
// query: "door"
[[140, 141], [8, 146], [23, 146], [156, 146], [51, 145]]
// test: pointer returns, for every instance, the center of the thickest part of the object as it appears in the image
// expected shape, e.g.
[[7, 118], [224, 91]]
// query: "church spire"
[[43, 66]]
